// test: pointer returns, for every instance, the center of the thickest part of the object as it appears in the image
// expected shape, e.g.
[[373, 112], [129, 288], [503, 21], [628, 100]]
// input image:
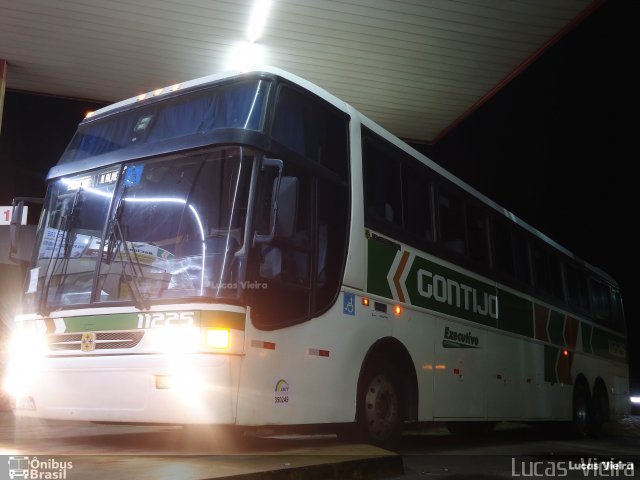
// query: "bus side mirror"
[[21, 235], [275, 192]]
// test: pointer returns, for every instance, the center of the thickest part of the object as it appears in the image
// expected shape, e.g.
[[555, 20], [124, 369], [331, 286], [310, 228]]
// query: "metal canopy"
[[414, 66]]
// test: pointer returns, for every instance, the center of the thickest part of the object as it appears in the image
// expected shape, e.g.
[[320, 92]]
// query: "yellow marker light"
[[89, 114], [365, 301], [397, 310], [217, 338]]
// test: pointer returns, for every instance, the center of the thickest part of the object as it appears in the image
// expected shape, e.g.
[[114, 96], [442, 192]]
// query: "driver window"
[[283, 266]]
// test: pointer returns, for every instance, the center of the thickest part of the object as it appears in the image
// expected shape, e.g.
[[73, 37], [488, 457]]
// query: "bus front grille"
[[103, 340]]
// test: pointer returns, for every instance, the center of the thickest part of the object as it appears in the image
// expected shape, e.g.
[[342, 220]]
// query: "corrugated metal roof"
[[412, 66]]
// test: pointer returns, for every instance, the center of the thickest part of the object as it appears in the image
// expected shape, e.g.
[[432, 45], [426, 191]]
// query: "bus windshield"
[[175, 228]]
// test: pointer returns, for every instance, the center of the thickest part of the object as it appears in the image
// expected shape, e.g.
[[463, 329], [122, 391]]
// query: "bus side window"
[[381, 185], [451, 217], [333, 217], [522, 263], [577, 291], [283, 266], [548, 278], [477, 234], [311, 129], [617, 313], [417, 204], [600, 302], [503, 257]]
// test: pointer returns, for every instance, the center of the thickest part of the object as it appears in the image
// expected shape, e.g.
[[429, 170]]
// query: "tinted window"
[[236, 105], [477, 232], [417, 204], [600, 301], [382, 186], [617, 313], [452, 221], [311, 129], [577, 292], [547, 273], [502, 248], [521, 258]]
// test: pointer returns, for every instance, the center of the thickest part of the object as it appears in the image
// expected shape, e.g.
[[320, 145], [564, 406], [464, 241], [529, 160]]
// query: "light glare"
[[635, 400], [258, 19], [244, 56]]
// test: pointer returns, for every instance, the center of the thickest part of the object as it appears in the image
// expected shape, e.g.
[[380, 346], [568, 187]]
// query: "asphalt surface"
[[141, 452], [515, 450]]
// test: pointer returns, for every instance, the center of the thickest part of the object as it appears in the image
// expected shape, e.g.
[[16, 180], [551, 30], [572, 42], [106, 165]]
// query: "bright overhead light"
[[245, 55], [258, 19]]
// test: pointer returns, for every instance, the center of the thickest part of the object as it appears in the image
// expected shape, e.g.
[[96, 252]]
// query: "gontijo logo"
[[33, 468]]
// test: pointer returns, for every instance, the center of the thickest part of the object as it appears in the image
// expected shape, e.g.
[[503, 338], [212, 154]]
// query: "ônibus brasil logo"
[[33, 468]]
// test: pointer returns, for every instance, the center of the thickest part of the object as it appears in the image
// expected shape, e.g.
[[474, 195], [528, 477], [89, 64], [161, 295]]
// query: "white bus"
[[248, 250]]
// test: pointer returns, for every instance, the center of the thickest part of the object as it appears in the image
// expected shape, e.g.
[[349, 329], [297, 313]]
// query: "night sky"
[[554, 146]]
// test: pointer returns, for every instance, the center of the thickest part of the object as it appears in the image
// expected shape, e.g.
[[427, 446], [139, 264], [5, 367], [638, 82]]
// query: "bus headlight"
[[26, 350], [174, 339]]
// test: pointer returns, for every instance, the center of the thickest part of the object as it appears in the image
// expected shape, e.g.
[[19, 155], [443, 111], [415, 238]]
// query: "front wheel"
[[380, 408]]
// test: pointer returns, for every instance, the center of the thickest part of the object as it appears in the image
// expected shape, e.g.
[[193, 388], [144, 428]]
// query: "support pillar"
[[3, 80]]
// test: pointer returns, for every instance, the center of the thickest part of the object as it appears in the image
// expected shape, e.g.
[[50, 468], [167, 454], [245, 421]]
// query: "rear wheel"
[[380, 408], [582, 412], [600, 410]]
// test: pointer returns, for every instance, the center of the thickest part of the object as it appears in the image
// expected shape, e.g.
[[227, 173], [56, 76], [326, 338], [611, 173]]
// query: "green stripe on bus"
[[101, 323], [556, 328], [515, 314], [435, 287], [439, 288], [380, 259], [221, 318]]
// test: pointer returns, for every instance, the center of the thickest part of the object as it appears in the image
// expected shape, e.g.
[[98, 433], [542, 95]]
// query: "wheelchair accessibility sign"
[[349, 306]]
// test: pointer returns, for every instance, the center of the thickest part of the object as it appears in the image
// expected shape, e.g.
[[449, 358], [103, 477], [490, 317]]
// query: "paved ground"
[[135, 452], [515, 450], [143, 452]]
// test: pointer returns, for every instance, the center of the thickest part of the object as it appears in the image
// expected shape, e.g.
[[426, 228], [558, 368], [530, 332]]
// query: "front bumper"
[[148, 388]]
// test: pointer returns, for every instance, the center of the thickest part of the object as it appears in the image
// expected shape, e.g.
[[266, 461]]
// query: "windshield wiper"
[[116, 243], [65, 236]]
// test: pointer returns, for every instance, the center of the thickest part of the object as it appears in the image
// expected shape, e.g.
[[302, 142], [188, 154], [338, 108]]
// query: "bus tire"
[[380, 407], [600, 410], [582, 412]]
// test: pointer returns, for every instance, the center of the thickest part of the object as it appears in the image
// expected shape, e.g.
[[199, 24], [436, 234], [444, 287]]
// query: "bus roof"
[[370, 124]]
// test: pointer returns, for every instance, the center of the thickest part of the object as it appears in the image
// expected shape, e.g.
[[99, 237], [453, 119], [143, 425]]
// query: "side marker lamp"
[[217, 338]]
